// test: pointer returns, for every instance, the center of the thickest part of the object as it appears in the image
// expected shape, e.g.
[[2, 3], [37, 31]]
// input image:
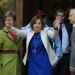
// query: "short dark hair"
[[60, 11], [34, 19], [11, 14]]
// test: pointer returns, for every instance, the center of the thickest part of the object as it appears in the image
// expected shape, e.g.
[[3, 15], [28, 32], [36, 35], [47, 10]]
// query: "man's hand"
[[72, 69], [68, 49], [54, 65]]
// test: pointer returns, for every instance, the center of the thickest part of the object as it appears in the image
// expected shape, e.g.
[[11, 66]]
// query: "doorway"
[[29, 6]]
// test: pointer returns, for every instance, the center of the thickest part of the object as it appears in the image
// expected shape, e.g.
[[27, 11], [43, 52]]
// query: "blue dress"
[[39, 63]]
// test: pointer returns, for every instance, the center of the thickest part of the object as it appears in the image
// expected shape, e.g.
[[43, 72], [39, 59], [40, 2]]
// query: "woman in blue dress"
[[38, 59], [39, 53]]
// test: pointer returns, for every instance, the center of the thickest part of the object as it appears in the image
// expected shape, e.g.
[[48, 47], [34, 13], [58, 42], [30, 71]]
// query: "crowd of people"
[[49, 47]]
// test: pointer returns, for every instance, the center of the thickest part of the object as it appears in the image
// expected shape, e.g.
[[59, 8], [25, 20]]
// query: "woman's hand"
[[7, 23], [8, 26], [56, 22]]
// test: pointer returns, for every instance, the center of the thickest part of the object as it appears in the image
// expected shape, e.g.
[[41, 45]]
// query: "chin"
[[71, 22]]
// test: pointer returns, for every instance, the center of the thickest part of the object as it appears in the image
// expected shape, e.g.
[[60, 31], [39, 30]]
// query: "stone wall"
[[5, 5]]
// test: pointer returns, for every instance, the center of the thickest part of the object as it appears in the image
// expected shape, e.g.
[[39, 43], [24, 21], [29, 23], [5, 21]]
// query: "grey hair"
[[73, 9]]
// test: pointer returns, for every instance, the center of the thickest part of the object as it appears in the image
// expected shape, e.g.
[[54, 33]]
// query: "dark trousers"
[[62, 66], [24, 67]]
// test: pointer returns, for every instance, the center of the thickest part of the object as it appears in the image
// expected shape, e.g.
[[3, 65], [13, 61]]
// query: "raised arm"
[[21, 33], [10, 23], [53, 34]]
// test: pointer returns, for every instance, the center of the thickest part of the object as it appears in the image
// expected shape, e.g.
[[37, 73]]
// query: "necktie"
[[60, 33]]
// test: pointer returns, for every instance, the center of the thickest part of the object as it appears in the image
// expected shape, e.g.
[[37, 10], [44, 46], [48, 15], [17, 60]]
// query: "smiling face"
[[37, 26], [37, 23]]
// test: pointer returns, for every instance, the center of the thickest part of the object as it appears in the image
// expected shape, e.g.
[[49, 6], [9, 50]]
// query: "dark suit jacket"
[[69, 30]]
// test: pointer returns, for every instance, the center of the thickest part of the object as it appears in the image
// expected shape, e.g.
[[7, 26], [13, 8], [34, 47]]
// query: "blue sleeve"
[[57, 47], [26, 27]]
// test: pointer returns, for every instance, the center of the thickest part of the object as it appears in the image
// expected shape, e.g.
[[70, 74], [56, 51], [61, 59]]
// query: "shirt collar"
[[74, 25], [61, 24]]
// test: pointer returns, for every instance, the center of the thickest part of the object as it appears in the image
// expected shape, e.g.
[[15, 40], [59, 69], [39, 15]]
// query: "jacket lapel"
[[30, 35], [9, 36], [69, 30], [44, 39]]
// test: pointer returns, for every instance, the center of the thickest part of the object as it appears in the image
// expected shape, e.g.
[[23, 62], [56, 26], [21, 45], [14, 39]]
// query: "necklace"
[[35, 43]]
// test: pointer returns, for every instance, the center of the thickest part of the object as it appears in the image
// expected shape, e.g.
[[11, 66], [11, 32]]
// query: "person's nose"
[[69, 18], [60, 17], [37, 24]]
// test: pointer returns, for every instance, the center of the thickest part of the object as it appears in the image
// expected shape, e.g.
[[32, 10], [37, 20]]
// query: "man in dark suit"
[[62, 67], [72, 56]]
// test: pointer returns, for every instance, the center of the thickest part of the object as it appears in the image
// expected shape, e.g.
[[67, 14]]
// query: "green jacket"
[[9, 63]]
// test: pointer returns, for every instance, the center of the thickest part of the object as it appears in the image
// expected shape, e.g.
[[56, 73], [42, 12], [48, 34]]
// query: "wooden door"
[[19, 13], [29, 6]]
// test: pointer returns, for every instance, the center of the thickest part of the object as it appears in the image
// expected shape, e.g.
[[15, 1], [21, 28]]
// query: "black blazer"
[[69, 30]]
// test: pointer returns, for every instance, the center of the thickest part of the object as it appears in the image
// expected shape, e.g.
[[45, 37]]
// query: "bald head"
[[72, 10], [72, 16]]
